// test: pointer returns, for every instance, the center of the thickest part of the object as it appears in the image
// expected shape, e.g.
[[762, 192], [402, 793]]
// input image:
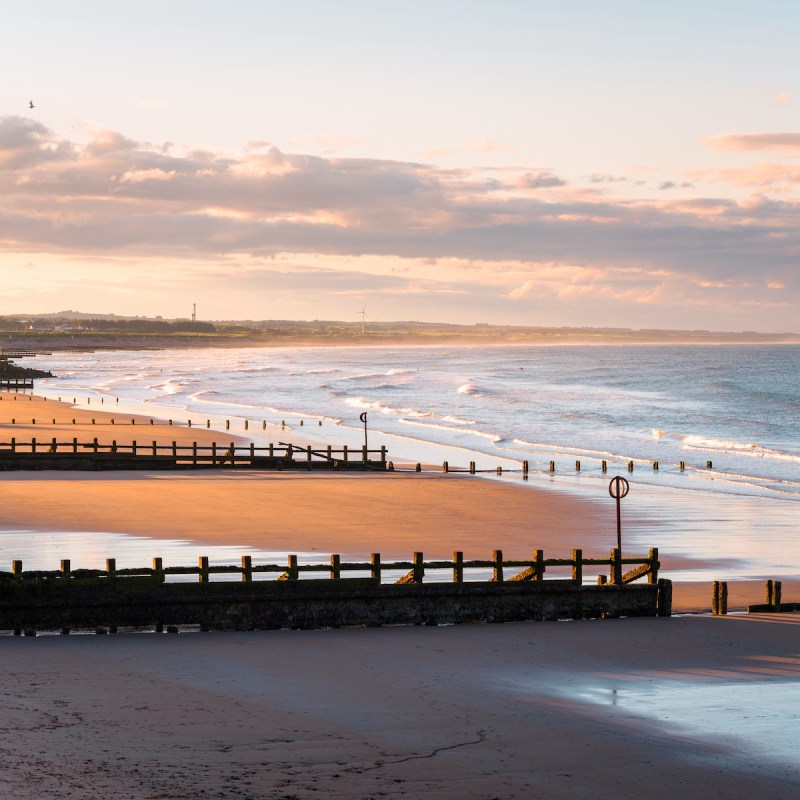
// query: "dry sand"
[[531, 710], [536, 710]]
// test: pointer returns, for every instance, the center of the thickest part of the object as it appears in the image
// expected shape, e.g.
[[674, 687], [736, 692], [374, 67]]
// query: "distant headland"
[[72, 329]]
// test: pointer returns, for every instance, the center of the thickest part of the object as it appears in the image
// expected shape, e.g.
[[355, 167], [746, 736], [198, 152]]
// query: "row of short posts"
[[719, 599], [552, 467]]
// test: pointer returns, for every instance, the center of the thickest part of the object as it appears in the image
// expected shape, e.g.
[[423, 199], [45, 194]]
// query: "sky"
[[604, 164]]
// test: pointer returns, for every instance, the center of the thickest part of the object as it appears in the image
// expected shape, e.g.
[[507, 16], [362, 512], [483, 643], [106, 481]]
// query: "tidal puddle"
[[754, 717]]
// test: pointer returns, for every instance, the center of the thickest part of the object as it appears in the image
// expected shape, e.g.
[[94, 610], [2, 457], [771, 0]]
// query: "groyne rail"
[[73, 454], [16, 384], [111, 599]]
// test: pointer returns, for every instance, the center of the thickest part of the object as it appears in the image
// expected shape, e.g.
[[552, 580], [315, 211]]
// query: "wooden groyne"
[[37, 454], [16, 384], [773, 602], [112, 599]]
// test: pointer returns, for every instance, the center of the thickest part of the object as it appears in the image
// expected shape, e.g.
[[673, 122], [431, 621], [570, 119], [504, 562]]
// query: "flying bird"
[[30, 104]]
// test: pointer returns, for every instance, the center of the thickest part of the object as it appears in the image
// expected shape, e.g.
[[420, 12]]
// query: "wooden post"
[[252, 451], [709, 465], [54, 445], [577, 567], [383, 452], [418, 467], [682, 466], [155, 448], [247, 569], [458, 567], [336, 570], [344, 453], [133, 446], [538, 565], [158, 569], [202, 562], [375, 572], [16, 566], [292, 572], [552, 466], [65, 570], [94, 444], [719, 601], [497, 557], [445, 467], [655, 466], [33, 445], [577, 466], [616, 566], [13, 441], [308, 454], [233, 453], [111, 567], [419, 567], [664, 598], [271, 450], [471, 467], [653, 559], [499, 470], [602, 580], [630, 466], [214, 453], [363, 454], [774, 595], [74, 445], [227, 424], [604, 466]]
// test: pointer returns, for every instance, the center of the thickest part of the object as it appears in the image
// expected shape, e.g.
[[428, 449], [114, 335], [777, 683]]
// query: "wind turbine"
[[363, 314]]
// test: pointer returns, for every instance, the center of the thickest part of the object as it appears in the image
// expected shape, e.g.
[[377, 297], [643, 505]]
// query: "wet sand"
[[545, 710]]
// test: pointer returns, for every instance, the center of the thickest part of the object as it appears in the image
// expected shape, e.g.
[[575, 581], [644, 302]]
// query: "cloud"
[[522, 233], [746, 142], [781, 99]]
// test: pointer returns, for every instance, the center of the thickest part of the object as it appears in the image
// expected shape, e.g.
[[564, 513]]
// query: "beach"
[[600, 708], [353, 514], [551, 710]]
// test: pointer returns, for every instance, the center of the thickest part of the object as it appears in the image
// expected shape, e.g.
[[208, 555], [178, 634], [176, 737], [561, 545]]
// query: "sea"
[[730, 413]]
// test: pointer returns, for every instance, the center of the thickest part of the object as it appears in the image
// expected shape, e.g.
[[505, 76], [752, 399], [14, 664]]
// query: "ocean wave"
[[492, 437], [470, 389], [733, 447], [374, 405]]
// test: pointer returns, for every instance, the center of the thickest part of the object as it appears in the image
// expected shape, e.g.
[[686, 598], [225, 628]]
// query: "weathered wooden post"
[[174, 449], [774, 594], [158, 570], [538, 565], [65, 568], [292, 572], [111, 567], [577, 567], [682, 465], [664, 598], [375, 572], [418, 467], [246, 424], [33, 445], [344, 453], [630, 466], [604, 466], [202, 563], [227, 424], [194, 454], [155, 447], [719, 601], [233, 454], [458, 567], [577, 466], [247, 569], [709, 465], [383, 452], [652, 576], [471, 467], [74, 445], [16, 567], [552, 466], [336, 567], [615, 561], [497, 558], [499, 470], [655, 466], [445, 467], [419, 567]]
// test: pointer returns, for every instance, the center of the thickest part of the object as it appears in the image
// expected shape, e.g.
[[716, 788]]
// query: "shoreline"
[[353, 514]]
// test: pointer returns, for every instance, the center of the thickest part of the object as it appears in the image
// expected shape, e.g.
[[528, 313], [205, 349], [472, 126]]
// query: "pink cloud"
[[746, 142]]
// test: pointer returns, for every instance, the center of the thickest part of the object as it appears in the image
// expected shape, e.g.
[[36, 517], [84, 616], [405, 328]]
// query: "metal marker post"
[[363, 418], [618, 488]]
